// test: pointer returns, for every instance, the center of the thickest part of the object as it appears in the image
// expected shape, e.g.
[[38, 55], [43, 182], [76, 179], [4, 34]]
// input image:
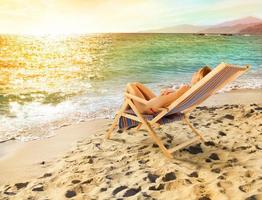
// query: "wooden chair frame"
[[128, 102]]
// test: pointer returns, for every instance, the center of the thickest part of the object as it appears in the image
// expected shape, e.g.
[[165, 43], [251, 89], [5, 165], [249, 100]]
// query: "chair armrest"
[[164, 109], [135, 98]]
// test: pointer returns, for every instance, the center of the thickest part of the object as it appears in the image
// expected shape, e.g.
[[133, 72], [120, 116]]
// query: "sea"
[[47, 82]]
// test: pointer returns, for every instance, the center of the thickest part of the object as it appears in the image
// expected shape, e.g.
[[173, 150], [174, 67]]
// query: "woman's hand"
[[184, 87], [166, 91]]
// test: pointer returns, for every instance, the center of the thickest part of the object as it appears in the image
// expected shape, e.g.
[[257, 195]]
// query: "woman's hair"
[[204, 71]]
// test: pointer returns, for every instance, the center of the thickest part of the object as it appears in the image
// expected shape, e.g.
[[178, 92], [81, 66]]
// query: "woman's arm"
[[166, 100]]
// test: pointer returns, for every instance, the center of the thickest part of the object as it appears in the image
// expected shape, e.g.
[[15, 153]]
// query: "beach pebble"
[[188, 181], [219, 121], [221, 133], [216, 170], [128, 173], [248, 115], [132, 192], [152, 177], [143, 147], [195, 149], [120, 131], [70, 194], [143, 161], [221, 177], [145, 194], [118, 189], [228, 116], [90, 161], [253, 197], [208, 124], [87, 181], [244, 188], [154, 145], [202, 107], [9, 193], [169, 141], [21, 185], [204, 198], [109, 177], [191, 117], [169, 177], [214, 156], [233, 160], [103, 189], [258, 108], [75, 181], [171, 137], [195, 124], [38, 189], [46, 175], [193, 174], [159, 187], [209, 143]]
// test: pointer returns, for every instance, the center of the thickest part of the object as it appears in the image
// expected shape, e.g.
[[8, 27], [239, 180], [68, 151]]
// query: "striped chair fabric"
[[126, 123], [195, 98]]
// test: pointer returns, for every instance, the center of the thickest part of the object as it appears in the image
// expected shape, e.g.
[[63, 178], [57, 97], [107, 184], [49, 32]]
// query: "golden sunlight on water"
[[33, 67]]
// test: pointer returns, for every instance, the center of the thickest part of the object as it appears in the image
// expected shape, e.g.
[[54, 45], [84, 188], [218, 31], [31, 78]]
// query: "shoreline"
[[46, 130], [37, 157]]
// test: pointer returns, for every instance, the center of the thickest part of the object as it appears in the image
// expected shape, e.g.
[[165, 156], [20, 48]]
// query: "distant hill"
[[253, 30], [233, 26], [183, 28], [228, 27], [245, 20]]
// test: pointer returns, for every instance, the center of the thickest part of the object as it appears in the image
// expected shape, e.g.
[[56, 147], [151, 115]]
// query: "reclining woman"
[[166, 97]]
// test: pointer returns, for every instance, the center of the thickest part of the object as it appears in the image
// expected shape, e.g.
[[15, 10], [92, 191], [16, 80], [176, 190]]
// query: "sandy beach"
[[79, 163]]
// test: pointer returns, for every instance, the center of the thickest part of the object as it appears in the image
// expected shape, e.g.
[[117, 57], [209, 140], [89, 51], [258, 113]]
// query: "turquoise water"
[[46, 82]]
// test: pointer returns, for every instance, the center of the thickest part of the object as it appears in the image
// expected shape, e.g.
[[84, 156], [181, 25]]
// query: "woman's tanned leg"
[[132, 89], [148, 94], [157, 101]]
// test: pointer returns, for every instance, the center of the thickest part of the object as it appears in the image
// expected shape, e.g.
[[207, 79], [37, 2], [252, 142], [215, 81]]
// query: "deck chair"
[[129, 116]]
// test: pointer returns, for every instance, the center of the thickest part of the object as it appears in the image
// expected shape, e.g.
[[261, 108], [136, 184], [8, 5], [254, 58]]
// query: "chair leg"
[[150, 130], [156, 139], [139, 126], [114, 124], [186, 120]]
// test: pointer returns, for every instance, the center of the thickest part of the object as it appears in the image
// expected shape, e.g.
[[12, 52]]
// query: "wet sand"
[[25, 160]]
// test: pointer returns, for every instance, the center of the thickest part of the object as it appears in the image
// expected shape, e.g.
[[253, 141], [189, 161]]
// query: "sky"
[[85, 16]]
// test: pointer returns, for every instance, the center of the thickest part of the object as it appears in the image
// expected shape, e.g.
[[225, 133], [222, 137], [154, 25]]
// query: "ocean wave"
[[38, 121]]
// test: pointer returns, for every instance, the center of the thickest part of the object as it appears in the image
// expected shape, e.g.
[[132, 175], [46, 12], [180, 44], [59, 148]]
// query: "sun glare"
[[54, 29]]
